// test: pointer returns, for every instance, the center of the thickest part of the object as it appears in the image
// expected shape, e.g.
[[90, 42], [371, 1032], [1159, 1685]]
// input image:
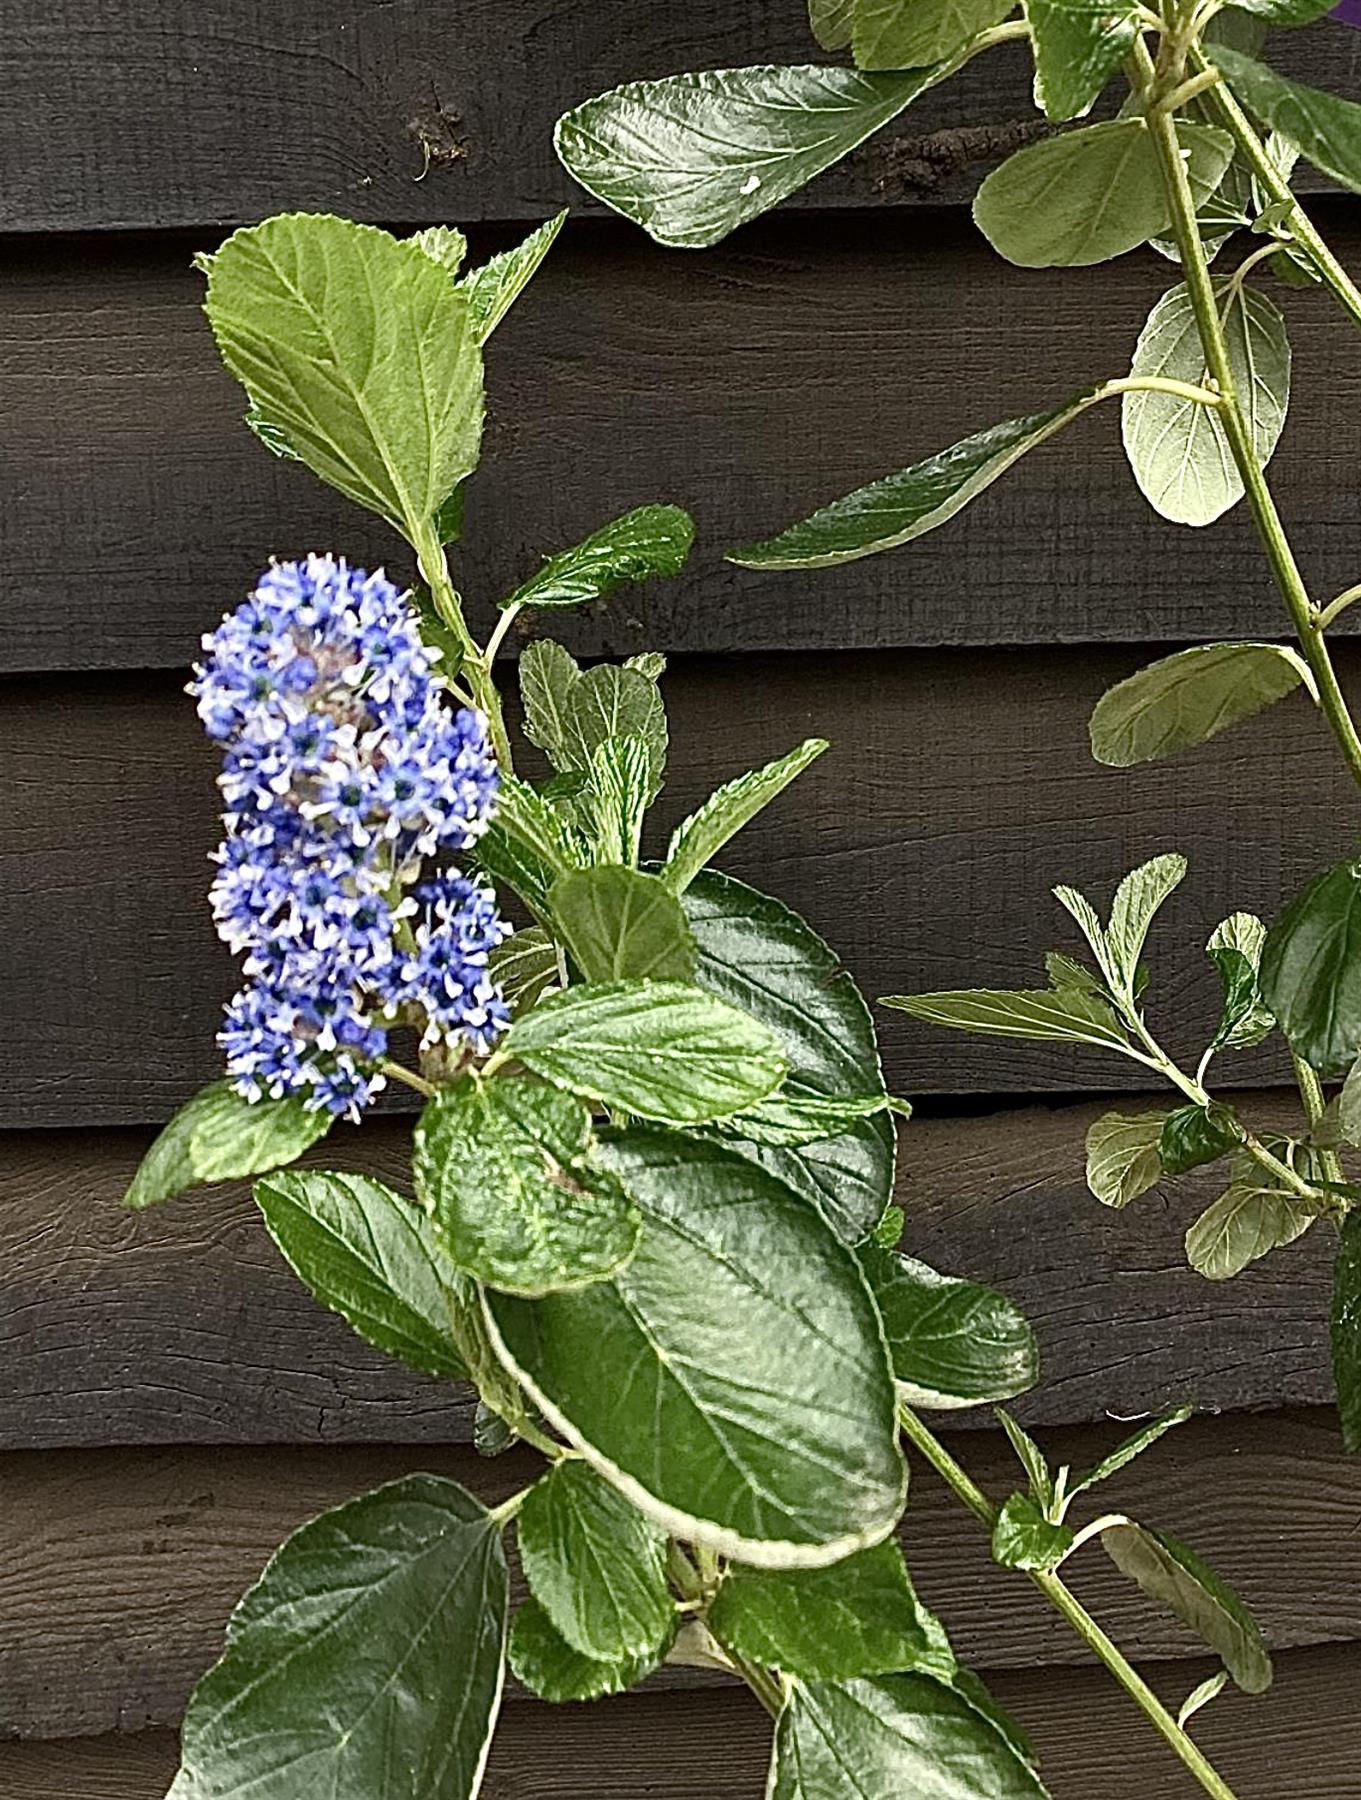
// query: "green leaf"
[[831, 21], [614, 799], [1079, 44], [1195, 1135], [651, 540], [361, 351], [692, 157], [1066, 972], [1173, 1575], [524, 967], [436, 633], [367, 1660], [909, 34], [650, 663], [492, 289], [1349, 1107], [861, 1616], [368, 1254], [1089, 195], [449, 526], [505, 1170], [612, 702], [698, 839], [900, 1735], [662, 1049], [1247, 1221], [1189, 698], [538, 827], [1178, 449], [218, 1136], [1137, 901], [1122, 1156], [907, 505], [1031, 1459], [1125, 1453], [270, 435], [1235, 949], [1286, 12], [1023, 1538], [619, 924], [793, 1121], [762, 957], [1038, 1014], [595, 1565], [544, 1662], [708, 1379], [952, 1343], [443, 244], [547, 676], [1325, 129], [1345, 1330], [506, 862], [1311, 970]]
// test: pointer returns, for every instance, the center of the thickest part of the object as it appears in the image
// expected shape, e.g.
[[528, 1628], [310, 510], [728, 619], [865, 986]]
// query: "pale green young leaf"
[[1133, 1446], [831, 22], [698, 839], [614, 800], [1286, 12], [1213, 1685], [543, 1661], [1310, 971], [1079, 45], [912, 502], [1089, 195], [1031, 1457], [861, 1616], [594, 1564], [373, 1642], [647, 662], [443, 244], [1178, 449], [1022, 1538], [650, 541], [1325, 128], [548, 674], [493, 288], [505, 1171], [909, 34], [691, 157], [611, 702], [707, 1378], [1137, 900], [621, 925], [661, 1049], [952, 1343], [1244, 1223], [1066, 971], [1173, 1575], [219, 1136], [1122, 1156], [360, 350], [370, 1255], [524, 967], [522, 813], [1039, 1014], [1088, 920], [1235, 948], [1190, 697]]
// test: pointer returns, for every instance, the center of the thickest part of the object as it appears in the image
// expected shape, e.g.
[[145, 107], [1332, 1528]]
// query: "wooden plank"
[[924, 848], [122, 1565], [135, 508], [715, 1745], [185, 1325], [148, 119]]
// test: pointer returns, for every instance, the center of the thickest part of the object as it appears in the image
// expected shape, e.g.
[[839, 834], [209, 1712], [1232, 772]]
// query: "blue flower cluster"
[[344, 771]]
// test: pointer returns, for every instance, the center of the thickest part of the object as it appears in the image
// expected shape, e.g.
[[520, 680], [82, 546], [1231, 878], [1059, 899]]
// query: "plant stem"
[[1065, 1602], [400, 1072], [1237, 431], [1335, 608], [434, 566]]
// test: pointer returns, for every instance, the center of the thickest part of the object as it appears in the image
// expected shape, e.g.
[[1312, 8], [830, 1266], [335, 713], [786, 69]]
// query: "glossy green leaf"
[[691, 157], [493, 289], [861, 1616], [900, 1735], [1195, 1135], [708, 1379], [1325, 129], [536, 825], [504, 1169], [762, 957], [1235, 949], [524, 967], [508, 864], [613, 802], [443, 244], [662, 1049], [1247, 1221], [698, 839], [361, 350], [218, 1136], [1133, 1446], [1122, 1156], [1178, 449], [952, 1343], [793, 1121], [1345, 1330], [1136, 904], [1031, 1458], [1023, 1538], [912, 502], [1190, 697], [1173, 1575], [548, 673], [619, 924], [1311, 970], [595, 1565], [607, 702], [831, 22], [650, 541], [370, 1255], [1089, 195], [1079, 45], [366, 1663], [909, 34], [1040, 1015], [542, 1660]]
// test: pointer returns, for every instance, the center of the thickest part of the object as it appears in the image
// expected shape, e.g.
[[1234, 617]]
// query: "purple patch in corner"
[[1349, 12]]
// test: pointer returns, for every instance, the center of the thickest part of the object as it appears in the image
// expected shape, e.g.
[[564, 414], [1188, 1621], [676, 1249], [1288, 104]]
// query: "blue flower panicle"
[[345, 770]]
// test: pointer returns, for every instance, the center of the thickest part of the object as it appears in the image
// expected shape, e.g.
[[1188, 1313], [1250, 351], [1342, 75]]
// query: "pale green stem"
[[498, 637], [506, 1511], [1335, 608], [1311, 1093], [476, 667], [399, 1072]]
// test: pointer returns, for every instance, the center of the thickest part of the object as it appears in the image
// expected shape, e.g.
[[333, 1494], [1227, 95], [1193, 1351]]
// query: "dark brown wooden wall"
[[170, 1401]]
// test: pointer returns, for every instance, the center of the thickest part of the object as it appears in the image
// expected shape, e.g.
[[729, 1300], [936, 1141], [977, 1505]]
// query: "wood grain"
[[152, 118], [122, 1565], [184, 1325], [751, 385], [924, 847]]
